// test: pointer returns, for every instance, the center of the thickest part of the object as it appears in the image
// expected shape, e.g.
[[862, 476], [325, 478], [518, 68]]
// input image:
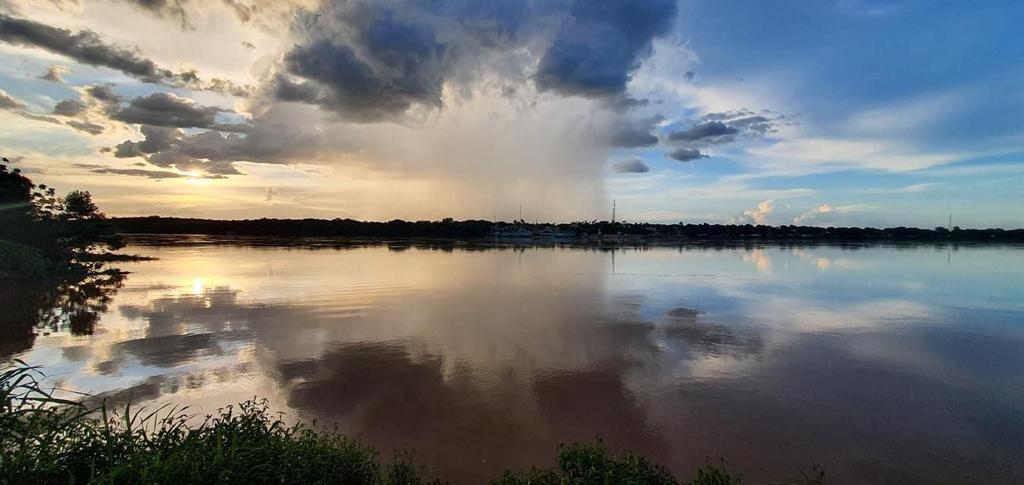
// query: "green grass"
[[47, 439], [589, 463]]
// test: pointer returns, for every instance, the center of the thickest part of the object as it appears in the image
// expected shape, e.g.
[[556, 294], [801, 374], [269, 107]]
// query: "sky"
[[828, 113]]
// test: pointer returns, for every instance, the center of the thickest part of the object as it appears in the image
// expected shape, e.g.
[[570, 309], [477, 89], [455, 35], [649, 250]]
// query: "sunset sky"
[[845, 112]]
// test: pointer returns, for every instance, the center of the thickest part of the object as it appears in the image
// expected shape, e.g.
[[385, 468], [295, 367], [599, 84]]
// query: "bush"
[[20, 261], [589, 463]]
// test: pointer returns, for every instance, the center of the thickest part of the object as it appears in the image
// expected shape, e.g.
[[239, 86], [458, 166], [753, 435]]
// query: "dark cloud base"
[[601, 44], [686, 154], [630, 165]]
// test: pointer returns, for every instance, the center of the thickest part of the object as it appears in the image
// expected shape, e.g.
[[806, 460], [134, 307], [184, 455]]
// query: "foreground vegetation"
[[47, 439]]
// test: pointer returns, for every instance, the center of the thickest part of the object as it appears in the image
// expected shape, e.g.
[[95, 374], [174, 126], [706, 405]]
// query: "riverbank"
[[399, 244]]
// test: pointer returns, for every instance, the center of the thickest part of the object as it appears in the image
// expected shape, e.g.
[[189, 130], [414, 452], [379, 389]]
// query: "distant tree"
[[79, 205]]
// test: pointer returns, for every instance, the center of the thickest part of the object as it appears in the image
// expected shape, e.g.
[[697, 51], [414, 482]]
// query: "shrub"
[[20, 261]]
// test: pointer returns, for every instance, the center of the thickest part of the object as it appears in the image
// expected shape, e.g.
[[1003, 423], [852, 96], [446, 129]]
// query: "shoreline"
[[581, 233], [398, 243]]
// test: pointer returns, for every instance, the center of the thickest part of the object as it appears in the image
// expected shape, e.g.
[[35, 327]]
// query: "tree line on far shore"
[[584, 230]]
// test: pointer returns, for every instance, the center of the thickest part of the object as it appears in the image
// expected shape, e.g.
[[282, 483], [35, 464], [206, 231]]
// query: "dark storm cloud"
[[69, 107], [686, 154], [269, 138], [286, 89], [385, 67], [602, 44], [726, 126], [87, 47], [168, 147], [156, 138], [166, 109], [374, 61], [635, 134], [711, 130], [630, 165], [633, 138], [214, 152], [103, 92]]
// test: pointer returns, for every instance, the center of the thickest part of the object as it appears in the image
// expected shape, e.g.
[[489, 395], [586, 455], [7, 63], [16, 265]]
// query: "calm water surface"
[[882, 364]]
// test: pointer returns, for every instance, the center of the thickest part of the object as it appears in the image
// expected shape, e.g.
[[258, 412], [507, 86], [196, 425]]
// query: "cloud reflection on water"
[[486, 359]]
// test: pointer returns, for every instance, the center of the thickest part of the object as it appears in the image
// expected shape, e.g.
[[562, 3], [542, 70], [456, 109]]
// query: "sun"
[[196, 177]]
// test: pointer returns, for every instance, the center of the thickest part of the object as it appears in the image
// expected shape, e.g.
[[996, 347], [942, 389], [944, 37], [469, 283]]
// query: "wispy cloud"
[[828, 209], [55, 73], [906, 189]]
